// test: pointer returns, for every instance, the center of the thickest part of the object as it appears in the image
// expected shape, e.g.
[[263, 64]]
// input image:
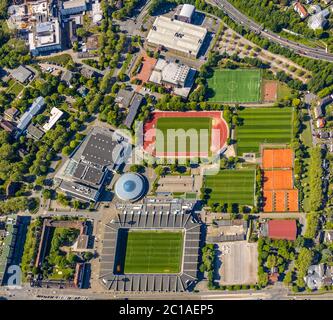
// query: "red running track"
[[219, 135]]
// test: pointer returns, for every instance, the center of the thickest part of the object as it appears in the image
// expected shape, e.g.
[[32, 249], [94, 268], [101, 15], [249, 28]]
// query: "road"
[[301, 49]]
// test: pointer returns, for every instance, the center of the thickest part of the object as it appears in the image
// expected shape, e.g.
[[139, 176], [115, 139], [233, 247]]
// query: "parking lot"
[[237, 263]]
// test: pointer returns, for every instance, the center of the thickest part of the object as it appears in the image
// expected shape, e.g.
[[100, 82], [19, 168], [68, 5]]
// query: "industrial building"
[[180, 37], [179, 77], [168, 214], [83, 174], [45, 37]]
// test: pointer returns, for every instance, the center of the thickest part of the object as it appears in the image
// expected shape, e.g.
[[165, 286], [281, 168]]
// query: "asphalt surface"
[[301, 49]]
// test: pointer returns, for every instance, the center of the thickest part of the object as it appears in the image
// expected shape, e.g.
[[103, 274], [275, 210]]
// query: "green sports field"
[[232, 186], [152, 251], [236, 86], [187, 124], [263, 125]]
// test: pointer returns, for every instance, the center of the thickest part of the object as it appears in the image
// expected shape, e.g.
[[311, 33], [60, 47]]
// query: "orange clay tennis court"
[[278, 179], [279, 192], [277, 158], [281, 200]]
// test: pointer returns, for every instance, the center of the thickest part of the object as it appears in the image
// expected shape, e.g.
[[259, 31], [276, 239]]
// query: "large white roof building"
[[176, 35]]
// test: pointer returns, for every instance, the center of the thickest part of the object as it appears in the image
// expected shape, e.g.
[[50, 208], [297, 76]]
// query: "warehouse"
[[180, 37]]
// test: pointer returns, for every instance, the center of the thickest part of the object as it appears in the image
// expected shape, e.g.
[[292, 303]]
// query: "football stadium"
[[185, 134], [151, 248], [236, 86]]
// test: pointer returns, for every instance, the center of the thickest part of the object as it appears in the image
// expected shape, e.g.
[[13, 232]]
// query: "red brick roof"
[[282, 229]]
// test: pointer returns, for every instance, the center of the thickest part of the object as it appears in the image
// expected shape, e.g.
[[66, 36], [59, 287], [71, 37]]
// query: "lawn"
[[192, 127], [153, 251], [232, 186], [16, 88], [238, 86], [263, 125], [283, 91]]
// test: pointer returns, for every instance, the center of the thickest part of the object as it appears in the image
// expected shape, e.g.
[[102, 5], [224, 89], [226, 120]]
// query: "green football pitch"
[[153, 251], [263, 125], [236, 86], [198, 129], [231, 186]]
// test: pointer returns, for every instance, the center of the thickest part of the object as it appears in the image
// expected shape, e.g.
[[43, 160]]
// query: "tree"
[[288, 278], [271, 261]]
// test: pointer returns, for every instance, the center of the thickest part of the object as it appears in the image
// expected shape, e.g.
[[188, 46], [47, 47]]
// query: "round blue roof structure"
[[130, 187]]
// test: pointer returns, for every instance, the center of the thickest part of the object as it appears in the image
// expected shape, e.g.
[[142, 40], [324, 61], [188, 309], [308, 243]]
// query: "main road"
[[301, 49]]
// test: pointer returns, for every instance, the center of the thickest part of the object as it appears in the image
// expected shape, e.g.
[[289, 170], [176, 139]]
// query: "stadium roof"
[[177, 35], [151, 282], [282, 229]]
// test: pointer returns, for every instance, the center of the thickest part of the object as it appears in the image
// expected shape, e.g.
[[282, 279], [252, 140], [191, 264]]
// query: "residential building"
[[318, 276], [320, 123], [56, 114], [318, 20], [324, 135], [328, 236], [10, 114], [21, 74], [300, 9], [180, 37], [7, 125], [67, 77]]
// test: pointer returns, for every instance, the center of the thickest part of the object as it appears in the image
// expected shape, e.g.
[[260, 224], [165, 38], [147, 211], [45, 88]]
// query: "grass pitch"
[[153, 251], [191, 126], [232, 186], [236, 86], [263, 125]]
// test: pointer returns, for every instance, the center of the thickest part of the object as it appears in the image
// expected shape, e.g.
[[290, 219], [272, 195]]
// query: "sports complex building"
[[101, 153], [152, 246]]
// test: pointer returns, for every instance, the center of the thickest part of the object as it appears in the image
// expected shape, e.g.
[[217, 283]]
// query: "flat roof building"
[[34, 132], [83, 174], [73, 7], [181, 37], [174, 75], [133, 110], [21, 74], [124, 98], [282, 229], [46, 37], [186, 13], [56, 114]]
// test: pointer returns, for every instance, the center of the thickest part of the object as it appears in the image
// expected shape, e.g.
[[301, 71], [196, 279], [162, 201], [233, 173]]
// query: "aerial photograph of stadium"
[[160, 150]]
